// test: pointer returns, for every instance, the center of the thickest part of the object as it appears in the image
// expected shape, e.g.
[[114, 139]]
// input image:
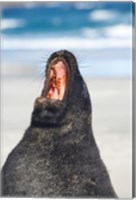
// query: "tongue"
[[53, 93]]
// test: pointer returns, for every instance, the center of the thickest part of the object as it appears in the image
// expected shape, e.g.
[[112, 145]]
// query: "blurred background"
[[100, 36], [30, 31]]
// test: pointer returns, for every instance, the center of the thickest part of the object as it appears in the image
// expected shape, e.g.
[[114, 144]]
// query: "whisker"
[[85, 66], [45, 56], [44, 61], [81, 58], [41, 74], [36, 83]]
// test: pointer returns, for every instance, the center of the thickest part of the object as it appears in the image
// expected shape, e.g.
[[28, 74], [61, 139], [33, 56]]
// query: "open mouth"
[[57, 80]]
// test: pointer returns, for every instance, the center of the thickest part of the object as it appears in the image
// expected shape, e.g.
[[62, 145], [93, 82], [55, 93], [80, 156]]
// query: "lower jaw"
[[44, 103]]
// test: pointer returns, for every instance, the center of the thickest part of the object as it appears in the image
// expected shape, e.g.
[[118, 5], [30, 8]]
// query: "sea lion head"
[[63, 91]]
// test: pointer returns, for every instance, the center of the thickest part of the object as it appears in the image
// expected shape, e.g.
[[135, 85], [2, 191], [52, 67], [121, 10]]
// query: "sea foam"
[[66, 42], [11, 23]]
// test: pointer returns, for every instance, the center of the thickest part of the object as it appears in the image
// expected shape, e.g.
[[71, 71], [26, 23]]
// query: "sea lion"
[[58, 155]]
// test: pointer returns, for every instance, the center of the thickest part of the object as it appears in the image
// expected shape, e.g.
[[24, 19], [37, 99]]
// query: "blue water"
[[100, 32], [63, 17]]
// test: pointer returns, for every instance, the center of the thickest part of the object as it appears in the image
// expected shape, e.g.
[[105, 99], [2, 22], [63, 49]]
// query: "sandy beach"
[[111, 102]]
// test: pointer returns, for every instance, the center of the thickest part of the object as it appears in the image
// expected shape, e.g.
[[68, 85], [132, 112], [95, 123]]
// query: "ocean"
[[98, 33]]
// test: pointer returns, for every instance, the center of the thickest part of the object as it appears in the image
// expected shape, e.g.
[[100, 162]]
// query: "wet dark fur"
[[58, 156]]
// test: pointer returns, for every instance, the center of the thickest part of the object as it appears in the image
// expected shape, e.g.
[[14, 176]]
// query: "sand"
[[111, 101]]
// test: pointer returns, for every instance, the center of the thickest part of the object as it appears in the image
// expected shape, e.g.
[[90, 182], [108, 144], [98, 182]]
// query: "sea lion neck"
[[64, 92]]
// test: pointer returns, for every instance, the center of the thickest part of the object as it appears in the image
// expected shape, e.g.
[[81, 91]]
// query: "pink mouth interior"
[[57, 81]]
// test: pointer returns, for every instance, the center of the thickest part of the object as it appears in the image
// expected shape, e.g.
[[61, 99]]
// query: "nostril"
[[40, 102]]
